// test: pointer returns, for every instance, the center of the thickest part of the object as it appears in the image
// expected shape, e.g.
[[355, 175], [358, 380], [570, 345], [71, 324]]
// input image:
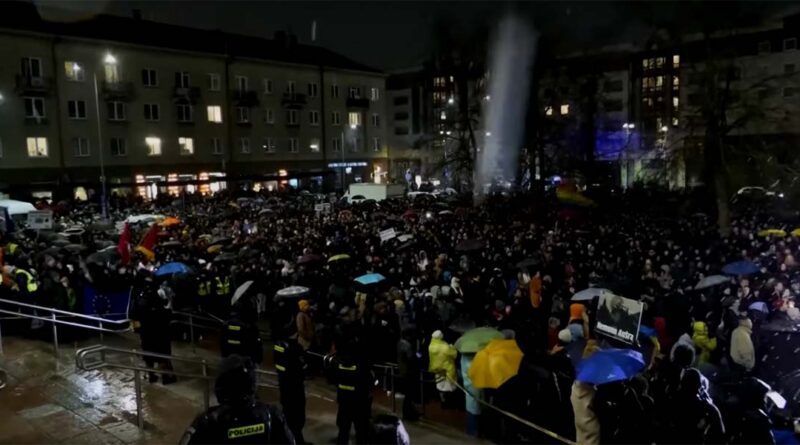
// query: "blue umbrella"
[[743, 267], [172, 268], [647, 331], [759, 306], [370, 278], [609, 365]]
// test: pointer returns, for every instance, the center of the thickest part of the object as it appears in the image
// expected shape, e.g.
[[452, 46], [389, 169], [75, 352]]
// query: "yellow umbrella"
[[573, 197], [495, 364], [169, 221], [772, 232], [214, 249], [341, 256], [796, 232]]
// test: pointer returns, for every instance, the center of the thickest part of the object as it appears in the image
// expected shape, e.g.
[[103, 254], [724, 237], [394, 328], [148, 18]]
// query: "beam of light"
[[511, 60]]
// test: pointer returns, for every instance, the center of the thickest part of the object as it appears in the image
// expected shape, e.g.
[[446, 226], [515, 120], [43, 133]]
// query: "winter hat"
[[437, 335], [565, 336]]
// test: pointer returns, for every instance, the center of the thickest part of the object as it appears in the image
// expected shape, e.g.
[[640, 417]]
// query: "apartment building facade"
[[154, 103]]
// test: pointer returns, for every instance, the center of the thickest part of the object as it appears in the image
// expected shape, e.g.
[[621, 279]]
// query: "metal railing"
[[83, 362], [32, 312]]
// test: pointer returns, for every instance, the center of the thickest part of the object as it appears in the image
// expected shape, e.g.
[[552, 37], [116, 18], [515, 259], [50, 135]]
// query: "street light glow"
[[488, 133], [450, 101], [110, 59], [628, 126], [664, 128], [352, 126], [76, 67]]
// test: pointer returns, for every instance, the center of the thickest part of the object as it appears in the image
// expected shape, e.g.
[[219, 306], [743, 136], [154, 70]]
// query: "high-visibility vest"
[[11, 248], [31, 283], [204, 288], [223, 287]]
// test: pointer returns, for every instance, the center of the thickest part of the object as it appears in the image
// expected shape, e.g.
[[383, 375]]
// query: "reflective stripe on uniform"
[[279, 348], [347, 387], [234, 342], [347, 368], [234, 328], [247, 430]]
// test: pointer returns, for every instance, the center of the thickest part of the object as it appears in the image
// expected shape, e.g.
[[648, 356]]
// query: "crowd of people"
[[510, 262]]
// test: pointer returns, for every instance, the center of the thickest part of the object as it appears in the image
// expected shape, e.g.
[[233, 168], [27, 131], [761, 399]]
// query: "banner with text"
[[619, 317]]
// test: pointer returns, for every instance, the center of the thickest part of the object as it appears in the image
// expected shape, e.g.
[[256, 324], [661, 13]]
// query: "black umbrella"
[[60, 242], [530, 262], [219, 240], [74, 248], [225, 256], [469, 245], [171, 244], [309, 258]]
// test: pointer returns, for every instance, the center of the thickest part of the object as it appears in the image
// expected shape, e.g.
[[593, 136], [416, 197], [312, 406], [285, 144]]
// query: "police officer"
[[241, 334], [240, 417], [288, 359], [354, 381]]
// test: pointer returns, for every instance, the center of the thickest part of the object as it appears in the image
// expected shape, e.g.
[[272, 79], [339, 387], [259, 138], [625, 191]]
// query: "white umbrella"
[[240, 291], [589, 294], [405, 237], [291, 292], [133, 219], [17, 207], [711, 281]]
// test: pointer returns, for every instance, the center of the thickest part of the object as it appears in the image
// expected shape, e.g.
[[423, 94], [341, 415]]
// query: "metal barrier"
[[97, 323], [83, 363]]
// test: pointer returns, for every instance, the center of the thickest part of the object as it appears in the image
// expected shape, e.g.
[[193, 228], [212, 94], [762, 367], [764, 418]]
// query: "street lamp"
[[450, 101], [110, 59]]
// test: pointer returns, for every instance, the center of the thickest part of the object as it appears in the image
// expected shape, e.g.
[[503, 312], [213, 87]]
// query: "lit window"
[[186, 146], [293, 145], [111, 70], [675, 102], [73, 71], [659, 81], [37, 147], [548, 111], [443, 116], [214, 113], [216, 146], [214, 82], [153, 146], [80, 147], [354, 118], [244, 145], [564, 109], [268, 145], [660, 62], [676, 61], [118, 147], [374, 94], [314, 145], [676, 82], [376, 144], [675, 122]]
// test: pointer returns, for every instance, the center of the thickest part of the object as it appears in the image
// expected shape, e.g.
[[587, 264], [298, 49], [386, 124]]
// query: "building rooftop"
[[24, 17]]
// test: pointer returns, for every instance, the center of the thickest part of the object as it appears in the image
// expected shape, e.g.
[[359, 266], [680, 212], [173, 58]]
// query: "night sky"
[[397, 34]]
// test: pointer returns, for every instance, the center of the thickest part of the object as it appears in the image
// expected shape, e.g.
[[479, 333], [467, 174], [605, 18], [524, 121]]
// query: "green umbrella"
[[475, 339]]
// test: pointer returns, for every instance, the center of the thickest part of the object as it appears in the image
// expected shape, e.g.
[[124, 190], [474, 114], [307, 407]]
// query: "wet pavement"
[[48, 400]]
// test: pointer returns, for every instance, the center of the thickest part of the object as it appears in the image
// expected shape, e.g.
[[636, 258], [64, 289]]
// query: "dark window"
[[400, 131], [401, 116], [788, 68], [789, 92], [613, 85], [790, 43], [764, 47], [401, 100], [613, 105], [695, 78], [695, 100]]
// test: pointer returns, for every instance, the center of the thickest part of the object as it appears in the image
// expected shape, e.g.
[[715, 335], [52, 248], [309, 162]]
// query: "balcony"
[[245, 98], [293, 100], [353, 102], [185, 95], [33, 86], [122, 91]]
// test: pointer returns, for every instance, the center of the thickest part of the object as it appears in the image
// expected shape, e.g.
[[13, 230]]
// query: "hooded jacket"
[[702, 341], [442, 357], [742, 351]]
